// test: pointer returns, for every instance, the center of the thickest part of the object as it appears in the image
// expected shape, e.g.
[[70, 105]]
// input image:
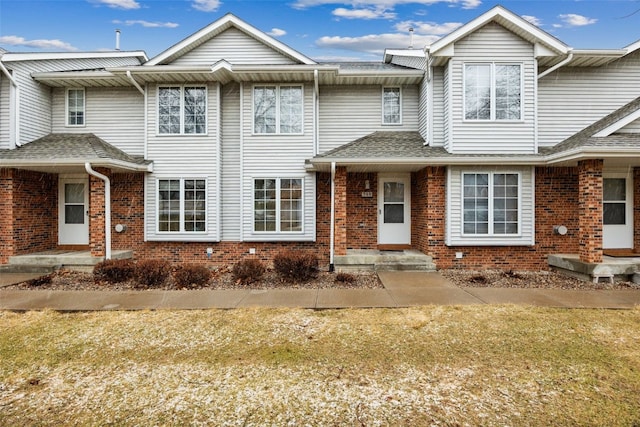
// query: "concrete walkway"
[[401, 289]]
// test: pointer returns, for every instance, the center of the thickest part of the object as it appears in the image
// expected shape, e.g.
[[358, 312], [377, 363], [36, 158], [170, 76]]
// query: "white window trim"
[[400, 100], [253, 110], [206, 205], [493, 93], [84, 108], [491, 233], [182, 132], [253, 211]]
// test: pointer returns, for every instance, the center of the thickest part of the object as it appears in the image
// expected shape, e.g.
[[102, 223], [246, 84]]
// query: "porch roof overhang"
[[224, 72], [68, 153]]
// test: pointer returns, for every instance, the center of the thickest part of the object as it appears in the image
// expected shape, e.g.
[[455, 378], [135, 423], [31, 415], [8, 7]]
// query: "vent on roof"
[[117, 39], [411, 38]]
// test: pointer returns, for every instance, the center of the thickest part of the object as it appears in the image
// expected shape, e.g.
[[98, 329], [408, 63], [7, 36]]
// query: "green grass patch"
[[479, 365]]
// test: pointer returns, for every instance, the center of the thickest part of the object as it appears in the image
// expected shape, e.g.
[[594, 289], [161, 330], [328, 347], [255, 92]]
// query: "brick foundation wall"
[[362, 212], [636, 209], [340, 209], [6, 215]]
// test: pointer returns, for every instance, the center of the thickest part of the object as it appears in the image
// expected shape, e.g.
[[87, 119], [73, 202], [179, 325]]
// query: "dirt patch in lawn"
[[525, 280], [221, 279]]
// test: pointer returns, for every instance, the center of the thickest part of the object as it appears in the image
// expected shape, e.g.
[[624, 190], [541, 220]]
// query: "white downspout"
[[107, 208], [333, 216], [316, 112], [14, 98], [558, 65]]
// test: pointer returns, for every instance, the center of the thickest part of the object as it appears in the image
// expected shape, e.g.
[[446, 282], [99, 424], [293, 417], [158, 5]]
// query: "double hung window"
[[391, 106], [182, 205], [277, 109], [75, 107], [492, 91], [491, 203], [182, 110], [277, 205]]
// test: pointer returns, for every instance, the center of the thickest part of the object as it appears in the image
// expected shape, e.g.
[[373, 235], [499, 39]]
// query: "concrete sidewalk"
[[401, 289]]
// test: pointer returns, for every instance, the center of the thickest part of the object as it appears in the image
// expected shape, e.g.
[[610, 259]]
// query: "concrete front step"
[[373, 260], [67, 259], [21, 268]]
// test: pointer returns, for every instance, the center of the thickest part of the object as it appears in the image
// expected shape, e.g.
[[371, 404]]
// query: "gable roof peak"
[[222, 24], [511, 22]]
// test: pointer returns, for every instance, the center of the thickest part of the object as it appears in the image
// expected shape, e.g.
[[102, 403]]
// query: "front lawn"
[[477, 365]]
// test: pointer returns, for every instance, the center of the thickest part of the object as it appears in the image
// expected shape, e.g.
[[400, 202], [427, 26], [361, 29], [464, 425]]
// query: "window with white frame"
[[182, 110], [75, 107], [277, 109], [182, 205], [491, 203], [492, 91], [277, 205], [391, 106]]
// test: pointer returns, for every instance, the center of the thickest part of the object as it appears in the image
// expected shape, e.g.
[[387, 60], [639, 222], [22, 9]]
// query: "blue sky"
[[322, 29]]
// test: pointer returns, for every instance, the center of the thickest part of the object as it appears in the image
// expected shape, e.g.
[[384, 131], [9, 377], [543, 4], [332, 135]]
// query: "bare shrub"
[[114, 270], [152, 273], [296, 265], [191, 275], [248, 271]]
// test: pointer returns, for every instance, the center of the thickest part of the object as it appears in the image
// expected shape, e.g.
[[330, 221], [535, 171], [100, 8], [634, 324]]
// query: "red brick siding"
[[340, 208], [590, 210], [96, 214], [362, 212], [6, 215]]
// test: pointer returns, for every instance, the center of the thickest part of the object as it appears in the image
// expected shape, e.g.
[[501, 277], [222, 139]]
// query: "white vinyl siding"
[[499, 200], [438, 118], [391, 106], [235, 47], [5, 87], [349, 112], [423, 107], [572, 98], [272, 156], [75, 107], [183, 157], [231, 168], [492, 44], [113, 114]]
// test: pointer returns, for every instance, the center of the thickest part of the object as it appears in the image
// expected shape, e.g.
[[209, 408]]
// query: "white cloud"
[[378, 13], [54, 44], [532, 20], [206, 5], [573, 20], [374, 43], [120, 4], [428, 28], [384, 4], [277, 32], [147, 24]]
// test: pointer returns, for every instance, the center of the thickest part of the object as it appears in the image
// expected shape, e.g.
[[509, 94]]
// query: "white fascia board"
[[614, 127], [72, 75], [412, 53], [426, 161], [632, 47], [47, 56], [99, 162], [491, 15], [590, 153], [225, 22]]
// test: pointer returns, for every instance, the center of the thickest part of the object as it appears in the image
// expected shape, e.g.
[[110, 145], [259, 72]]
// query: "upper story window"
[[491, 203], [492, 91], [277, 109], [182, 110], [75, 107], [391, 106]]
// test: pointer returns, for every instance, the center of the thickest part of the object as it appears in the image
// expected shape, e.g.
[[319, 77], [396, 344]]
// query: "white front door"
[[394, 209], [73, 212], [617, 216]]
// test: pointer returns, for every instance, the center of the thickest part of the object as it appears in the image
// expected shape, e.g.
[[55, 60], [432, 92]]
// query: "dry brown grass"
[[480, 365]]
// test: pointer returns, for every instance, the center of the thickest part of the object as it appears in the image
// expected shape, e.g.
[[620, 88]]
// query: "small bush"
[[114, 270], [152, 273], [346, 278], [40, 281], [248, 271], [191, 275], [296, 266]]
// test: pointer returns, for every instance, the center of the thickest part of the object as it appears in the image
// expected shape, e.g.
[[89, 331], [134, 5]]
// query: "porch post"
[[97, 236], [590, 209], [340, 236], [7, 247]]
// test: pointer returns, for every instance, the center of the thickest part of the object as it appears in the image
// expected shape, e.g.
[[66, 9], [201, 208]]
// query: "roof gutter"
[[15, 102], [135, 83], [557, 66], [107, 208]]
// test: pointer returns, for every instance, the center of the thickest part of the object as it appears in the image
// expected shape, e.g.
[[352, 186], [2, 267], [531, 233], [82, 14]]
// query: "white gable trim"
[[614, 127], [498, 12], [222, 24], [48, 56]]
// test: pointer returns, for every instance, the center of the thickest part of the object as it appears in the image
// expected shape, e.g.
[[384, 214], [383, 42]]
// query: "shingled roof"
[[67, 148]]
